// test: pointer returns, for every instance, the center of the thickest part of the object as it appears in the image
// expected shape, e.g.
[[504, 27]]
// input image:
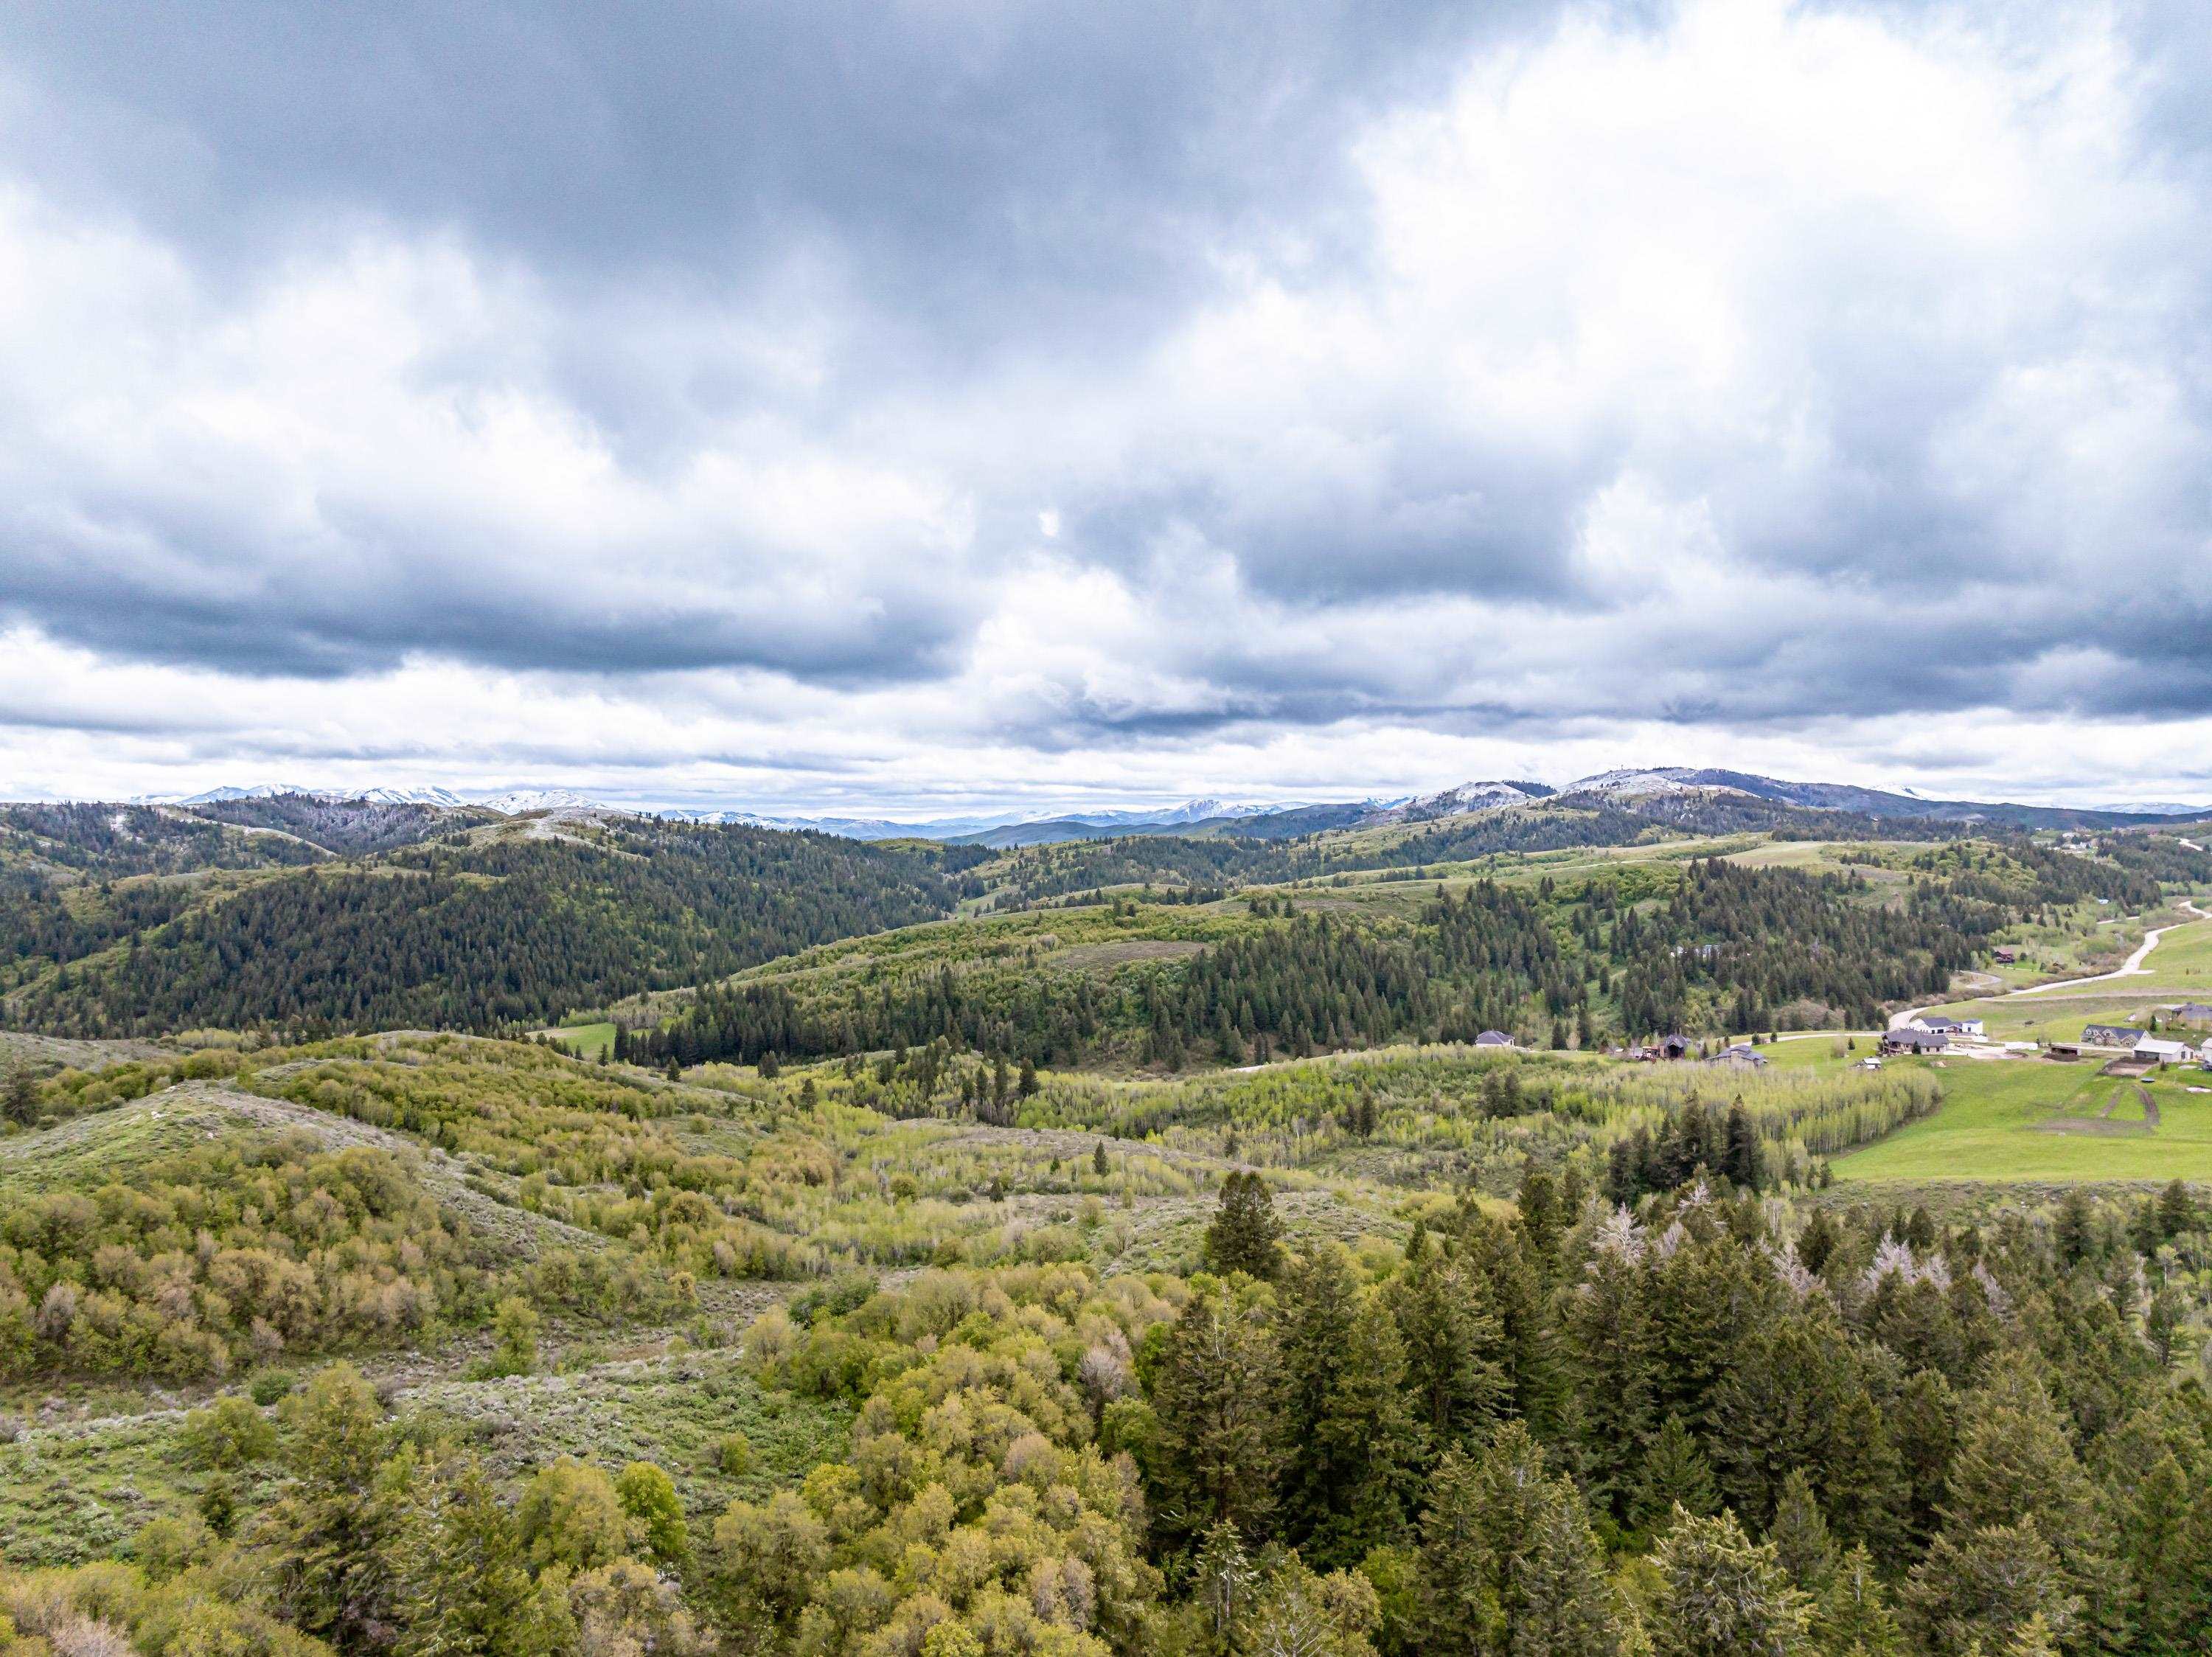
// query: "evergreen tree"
[[18, 1095], [1452, 1340], [328, 1538], [1218, 1395], [1245, 1235], [1675, 1476], [1984, 1588], [1720, 1596], [1507, 1563], [1851, 1618], [1352, 1439], [1799, 1535], [461, 1589]]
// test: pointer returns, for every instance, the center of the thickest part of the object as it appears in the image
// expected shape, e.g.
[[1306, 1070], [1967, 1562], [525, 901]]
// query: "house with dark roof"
[[1493, 1039], [1675, 1046], [1907, 1041], [1741, 1056], [2110, 1035], [2193, 1012]]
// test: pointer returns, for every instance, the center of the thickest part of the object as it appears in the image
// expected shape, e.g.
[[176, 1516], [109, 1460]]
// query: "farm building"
[[2163, 1051]]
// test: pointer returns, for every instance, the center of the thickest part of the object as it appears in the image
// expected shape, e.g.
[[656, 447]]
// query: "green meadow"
[[2029, 1119]]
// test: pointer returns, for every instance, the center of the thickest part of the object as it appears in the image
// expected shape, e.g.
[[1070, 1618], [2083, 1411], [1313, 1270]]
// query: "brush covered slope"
[[1430, 1349]]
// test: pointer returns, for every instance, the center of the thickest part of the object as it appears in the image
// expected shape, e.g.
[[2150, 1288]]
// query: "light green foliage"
[[571, 1515], [648, 1497], [514, 1331], [229, 1433]]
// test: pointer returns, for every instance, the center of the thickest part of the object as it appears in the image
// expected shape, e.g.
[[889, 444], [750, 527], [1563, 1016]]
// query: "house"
[[2162, 1051], [2005, 957], [1742, 1055], [2193, 1012], [1905, 1039], [1675, 1046], [1493, 1039], [1948, 1027], [2110, 1035]]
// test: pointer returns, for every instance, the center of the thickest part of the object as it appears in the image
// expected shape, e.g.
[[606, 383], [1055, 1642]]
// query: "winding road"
[[2133, 968]]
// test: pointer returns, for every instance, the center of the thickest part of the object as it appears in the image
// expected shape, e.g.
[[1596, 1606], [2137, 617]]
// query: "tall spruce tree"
[[1507, 1563], [1217, 1394], [1722, 1596], [1353, 1442], [1453, 1339], [1245, 1235]]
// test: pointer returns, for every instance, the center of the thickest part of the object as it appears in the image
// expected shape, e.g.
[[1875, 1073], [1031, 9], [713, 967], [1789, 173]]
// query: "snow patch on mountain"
[[1457, 801], [1633, 785]]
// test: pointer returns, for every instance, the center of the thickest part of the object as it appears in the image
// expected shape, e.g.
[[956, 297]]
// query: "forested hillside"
[[463, 936], [1713, 945], [41, 844]]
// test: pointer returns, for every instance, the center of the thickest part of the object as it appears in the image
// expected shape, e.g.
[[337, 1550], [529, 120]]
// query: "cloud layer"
[[1004, 400]]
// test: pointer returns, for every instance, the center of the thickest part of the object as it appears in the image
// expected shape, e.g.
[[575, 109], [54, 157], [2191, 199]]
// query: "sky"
[[958, 405]]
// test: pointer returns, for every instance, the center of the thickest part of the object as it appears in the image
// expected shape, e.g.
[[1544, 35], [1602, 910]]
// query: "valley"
[[957, 1220]]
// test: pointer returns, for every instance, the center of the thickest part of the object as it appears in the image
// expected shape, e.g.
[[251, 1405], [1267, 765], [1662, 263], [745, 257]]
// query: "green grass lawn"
[[1996, 1124], [586, 1040]]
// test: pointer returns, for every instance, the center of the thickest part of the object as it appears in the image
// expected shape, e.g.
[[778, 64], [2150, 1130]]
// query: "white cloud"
[[1729, 390]]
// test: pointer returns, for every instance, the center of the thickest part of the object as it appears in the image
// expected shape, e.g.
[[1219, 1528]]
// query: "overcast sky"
[[783, 406]]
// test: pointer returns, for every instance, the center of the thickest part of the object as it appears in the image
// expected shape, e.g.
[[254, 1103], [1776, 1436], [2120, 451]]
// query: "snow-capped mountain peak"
[[1631, 783], [515, 802], [1457, 801]]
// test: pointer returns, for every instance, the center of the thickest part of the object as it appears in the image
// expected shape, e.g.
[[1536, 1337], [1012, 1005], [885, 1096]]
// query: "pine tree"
[[1245, 1235], [1099, 1164], [18, 1095], [1452, 1339], [1985, 1586], [1352, 1440], [1720, 1596], [1675, 1478], [1799, 1535], [1218, 1395], [1853, 1617], [461, 1587], [1507, 1563], [327, 1538]]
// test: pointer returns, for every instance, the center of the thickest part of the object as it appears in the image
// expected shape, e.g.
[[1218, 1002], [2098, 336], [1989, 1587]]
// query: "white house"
[[1936, 1024]]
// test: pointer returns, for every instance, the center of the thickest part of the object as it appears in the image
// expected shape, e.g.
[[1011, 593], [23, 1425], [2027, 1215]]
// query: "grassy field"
[[2031, 1120], [2180, 968], [585, 1040]]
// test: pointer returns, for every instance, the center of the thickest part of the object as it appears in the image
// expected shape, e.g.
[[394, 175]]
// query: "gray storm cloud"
[[1112, 377]]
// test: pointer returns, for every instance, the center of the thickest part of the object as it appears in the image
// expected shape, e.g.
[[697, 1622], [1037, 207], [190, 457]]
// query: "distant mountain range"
[[1660, 788]]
